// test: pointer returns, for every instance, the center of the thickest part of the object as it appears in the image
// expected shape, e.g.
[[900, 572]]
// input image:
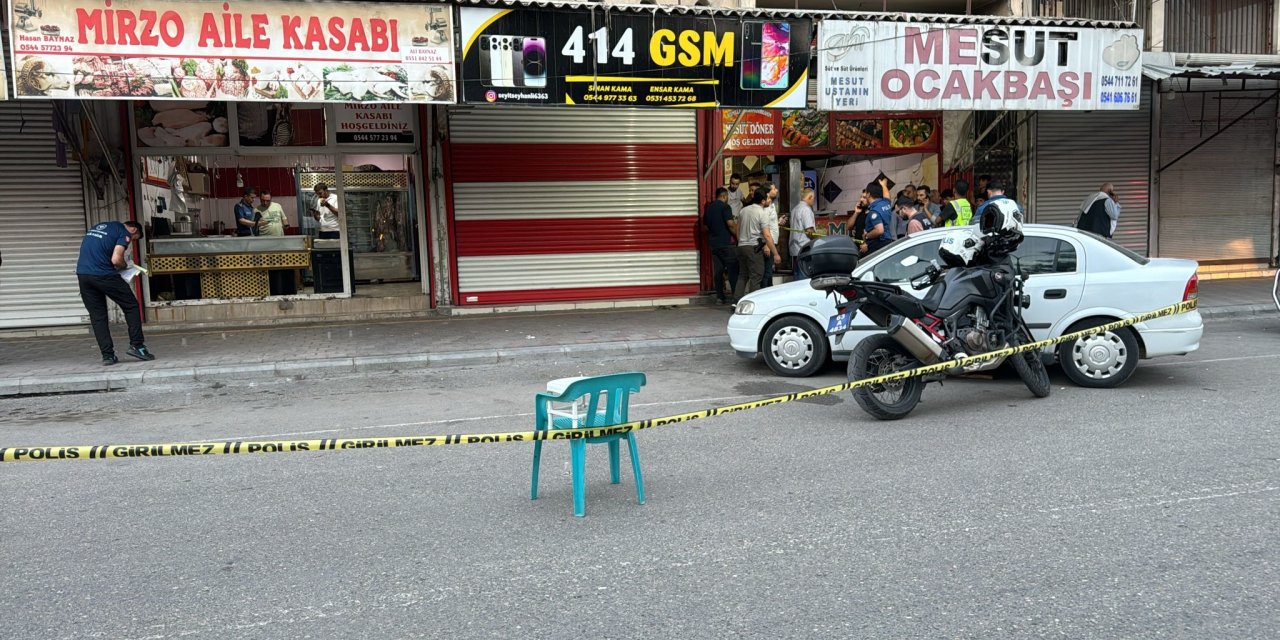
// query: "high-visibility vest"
[[964, 213]]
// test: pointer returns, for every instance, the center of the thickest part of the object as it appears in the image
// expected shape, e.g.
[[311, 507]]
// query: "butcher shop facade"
[[273, 150]]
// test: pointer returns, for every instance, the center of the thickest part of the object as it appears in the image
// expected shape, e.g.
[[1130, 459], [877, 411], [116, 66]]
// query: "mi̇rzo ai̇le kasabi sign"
[[278, 51]]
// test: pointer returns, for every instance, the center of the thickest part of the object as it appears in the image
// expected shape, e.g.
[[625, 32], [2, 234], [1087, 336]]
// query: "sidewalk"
[[72, 363]]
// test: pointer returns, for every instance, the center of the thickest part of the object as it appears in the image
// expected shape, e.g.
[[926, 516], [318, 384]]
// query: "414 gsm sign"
[[631, 59]]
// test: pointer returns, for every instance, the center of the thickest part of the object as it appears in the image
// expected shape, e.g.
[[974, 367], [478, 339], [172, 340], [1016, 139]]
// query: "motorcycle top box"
[[830, 256]]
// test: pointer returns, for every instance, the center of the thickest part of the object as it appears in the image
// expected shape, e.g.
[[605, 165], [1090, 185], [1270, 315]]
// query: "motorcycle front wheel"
[[1030, 365], [880, 355]]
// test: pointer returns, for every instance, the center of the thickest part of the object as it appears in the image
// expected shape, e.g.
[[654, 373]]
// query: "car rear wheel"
[[1101, 361], [794, 347]]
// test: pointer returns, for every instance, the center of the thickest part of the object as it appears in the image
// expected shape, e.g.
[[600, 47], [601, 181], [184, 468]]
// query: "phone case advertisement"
[[201, 50], [611, 57], [904, 66]]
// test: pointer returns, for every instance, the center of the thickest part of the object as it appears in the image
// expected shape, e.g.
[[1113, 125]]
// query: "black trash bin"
[[326, 267]]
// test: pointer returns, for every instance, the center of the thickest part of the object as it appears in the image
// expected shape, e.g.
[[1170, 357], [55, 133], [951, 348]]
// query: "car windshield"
[[1128, 253]]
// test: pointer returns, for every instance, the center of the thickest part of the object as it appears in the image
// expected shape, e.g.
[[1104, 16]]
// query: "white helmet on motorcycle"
[[961, 247], [1001, 218]]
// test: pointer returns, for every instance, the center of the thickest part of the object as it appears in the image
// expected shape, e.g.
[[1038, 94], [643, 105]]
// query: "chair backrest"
[[613, 390]]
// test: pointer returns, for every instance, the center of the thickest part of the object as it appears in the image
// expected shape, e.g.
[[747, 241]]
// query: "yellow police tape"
[[108, 451]]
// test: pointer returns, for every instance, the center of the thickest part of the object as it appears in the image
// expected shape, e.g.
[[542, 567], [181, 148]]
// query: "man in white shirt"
[[326, 212], [804, 222], [735, 195], [755, 245]]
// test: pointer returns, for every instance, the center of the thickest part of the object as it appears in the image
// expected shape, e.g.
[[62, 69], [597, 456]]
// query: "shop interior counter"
[[230, 267], [226, 244]]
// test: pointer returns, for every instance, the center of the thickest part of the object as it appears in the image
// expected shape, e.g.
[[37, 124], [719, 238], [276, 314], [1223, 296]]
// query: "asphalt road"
[[1151, 511]]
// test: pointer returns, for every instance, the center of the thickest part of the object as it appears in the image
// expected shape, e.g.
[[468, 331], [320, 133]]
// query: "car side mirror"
[[909, 261], [868, 276]]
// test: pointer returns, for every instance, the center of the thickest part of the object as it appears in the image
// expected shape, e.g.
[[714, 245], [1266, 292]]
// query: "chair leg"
[[635, 467], [537, 459], [614, 463], [578, 451]]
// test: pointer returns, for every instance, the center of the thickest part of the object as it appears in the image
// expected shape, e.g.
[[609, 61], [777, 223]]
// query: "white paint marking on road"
[[425, 423], [1189, 362]]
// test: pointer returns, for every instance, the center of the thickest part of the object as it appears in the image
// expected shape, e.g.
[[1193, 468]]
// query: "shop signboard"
[[905, 66], [271, 50], [602, 56], [749, 130], [810, 132], [359, 123]]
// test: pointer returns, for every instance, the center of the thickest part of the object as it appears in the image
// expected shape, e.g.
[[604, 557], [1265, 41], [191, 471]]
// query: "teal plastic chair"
[[606, 399]]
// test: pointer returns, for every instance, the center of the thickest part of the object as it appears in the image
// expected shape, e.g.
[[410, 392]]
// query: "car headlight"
[[745, 308]]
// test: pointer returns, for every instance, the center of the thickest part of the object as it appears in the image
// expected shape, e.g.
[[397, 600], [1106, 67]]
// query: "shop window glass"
[[169, 125], [281, 124]]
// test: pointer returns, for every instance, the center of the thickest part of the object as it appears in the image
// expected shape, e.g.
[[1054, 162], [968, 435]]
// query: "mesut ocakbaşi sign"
[[894, 66], [616, 57], [264, 50]]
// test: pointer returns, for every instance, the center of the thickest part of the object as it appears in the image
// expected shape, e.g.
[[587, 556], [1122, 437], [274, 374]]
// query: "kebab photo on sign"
[[804, 128]]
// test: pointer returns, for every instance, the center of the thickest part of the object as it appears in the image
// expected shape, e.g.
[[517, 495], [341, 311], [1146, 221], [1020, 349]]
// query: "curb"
[[90, 382], [1239, 311]]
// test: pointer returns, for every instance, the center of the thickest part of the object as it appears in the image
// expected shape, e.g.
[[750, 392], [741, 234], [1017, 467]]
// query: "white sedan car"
[[1077, 280]]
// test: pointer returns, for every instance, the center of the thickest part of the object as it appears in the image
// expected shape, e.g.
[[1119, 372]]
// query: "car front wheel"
[[794, 347], [1100, 361]]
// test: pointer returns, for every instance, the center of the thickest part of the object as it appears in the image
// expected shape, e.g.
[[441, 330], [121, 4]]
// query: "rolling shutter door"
[[1077, 152], [42, 214], [1216, 204], [555, 204]]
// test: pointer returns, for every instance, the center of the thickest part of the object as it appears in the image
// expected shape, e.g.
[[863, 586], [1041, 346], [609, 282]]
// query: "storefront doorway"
[[836, 155], [240, 221]]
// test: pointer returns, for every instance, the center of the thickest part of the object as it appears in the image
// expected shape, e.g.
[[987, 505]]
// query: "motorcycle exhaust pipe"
[[915, 340]]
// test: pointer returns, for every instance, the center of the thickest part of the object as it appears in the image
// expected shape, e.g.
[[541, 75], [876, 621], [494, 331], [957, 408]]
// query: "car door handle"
[[1055, 294]]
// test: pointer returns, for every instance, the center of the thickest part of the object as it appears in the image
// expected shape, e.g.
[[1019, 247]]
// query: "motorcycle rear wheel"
[[879, 355], [1030, 366]]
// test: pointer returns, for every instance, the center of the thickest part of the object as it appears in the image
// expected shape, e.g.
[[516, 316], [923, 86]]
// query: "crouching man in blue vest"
[[102, 258]]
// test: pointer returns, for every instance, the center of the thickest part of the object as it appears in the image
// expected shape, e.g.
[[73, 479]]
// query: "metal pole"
[[723, 143]]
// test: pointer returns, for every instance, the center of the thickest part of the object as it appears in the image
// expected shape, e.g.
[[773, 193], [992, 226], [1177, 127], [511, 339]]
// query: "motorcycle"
[[966, 311]]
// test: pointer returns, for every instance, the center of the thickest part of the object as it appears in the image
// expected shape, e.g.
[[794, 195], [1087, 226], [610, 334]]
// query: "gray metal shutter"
[[1077, 152], [1216, 204], [42, 214]]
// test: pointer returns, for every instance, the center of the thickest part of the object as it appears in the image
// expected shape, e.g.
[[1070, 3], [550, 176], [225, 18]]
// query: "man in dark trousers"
[[102, 258], [718, 220]]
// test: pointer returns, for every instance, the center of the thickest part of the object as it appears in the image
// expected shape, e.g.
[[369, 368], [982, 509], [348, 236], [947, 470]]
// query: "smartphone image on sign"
[[496, 62], [775, 56], [533, 63], [766, 55], [752, 38], [513, 61]]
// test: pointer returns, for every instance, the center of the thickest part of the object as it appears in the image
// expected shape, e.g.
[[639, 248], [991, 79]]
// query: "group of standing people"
[[744, 234], [876, 221], [744, 231]]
